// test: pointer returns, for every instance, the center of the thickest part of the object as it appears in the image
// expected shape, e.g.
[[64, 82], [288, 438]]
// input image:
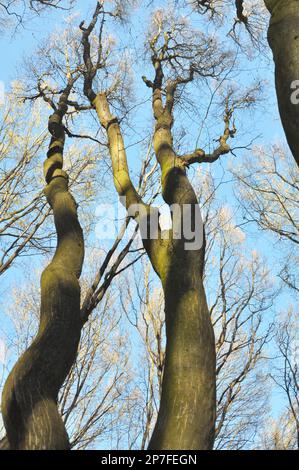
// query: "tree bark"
[[29, 400], [187, 412], [283, 38], [186, 418], [187, 409]]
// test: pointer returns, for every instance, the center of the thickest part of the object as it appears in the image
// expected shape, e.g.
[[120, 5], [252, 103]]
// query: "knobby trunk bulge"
[[29, 399], [283, 38]]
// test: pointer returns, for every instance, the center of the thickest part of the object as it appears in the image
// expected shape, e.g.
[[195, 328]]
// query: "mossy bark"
[[187, 410], [29, 399], [283, 38], [186, 417]]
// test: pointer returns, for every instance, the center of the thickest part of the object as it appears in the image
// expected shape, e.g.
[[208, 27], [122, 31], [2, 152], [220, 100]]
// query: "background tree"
[[283, 37], [278, 434], [22, 207], [242, 20], [24, 213], [239, 303], [285, 374], [267, 186], [14, 13]]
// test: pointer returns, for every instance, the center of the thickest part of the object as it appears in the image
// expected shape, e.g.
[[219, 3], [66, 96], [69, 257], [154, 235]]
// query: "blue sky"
[[264, 122]]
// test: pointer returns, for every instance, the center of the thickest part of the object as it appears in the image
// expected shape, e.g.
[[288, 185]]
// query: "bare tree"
[[189, 368], [238, 17], [17, 12], [278, 434], [240, 292], [22, 208], [285, 370], [282, 39], [148, 318], [239, 303], [112, 266], [268, 192], [29, 399]]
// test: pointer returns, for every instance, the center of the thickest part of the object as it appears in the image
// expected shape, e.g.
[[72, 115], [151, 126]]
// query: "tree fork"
[[186, 418]]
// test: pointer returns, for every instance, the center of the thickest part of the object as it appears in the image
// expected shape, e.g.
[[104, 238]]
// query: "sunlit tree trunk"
[[29, 400], [186, 418], [187, 411]]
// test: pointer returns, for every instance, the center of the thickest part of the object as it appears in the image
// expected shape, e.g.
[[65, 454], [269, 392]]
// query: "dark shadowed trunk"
[[283, 37]]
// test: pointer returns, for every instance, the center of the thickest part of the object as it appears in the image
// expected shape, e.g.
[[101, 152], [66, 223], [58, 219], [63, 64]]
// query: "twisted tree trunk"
[[186, 417], [187, 410], [29, 400], [283, 38]]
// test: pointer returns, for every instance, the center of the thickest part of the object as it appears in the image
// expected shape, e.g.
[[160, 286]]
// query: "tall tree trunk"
[[283, 38], [187, 410], [29, 400], [186, 418]]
